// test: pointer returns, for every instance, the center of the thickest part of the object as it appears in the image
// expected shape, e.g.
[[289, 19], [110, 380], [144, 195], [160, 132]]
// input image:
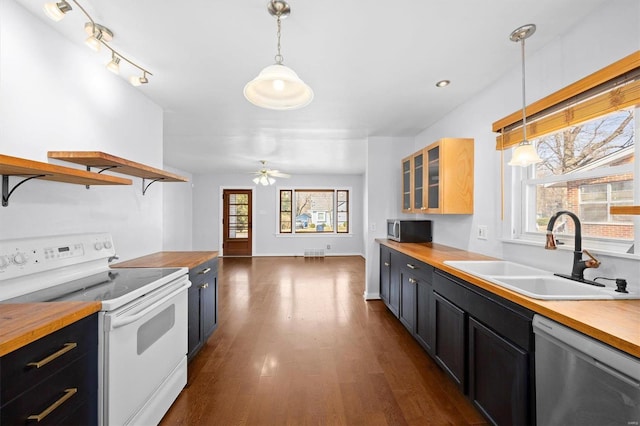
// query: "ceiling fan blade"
[[276, 173]]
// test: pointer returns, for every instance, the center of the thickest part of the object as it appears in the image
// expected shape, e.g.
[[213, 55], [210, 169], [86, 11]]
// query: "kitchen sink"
[[495, 267], [536, 283]]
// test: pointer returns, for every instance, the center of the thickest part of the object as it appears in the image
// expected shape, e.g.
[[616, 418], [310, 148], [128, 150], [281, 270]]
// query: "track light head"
[[114, 64], [139, 81], [56, 11], [97, 34]]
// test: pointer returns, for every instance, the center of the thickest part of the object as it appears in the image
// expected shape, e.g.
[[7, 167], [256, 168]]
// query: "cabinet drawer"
[[53, 353], [419, 270], [505, 317], [70, 393], [203, 273]]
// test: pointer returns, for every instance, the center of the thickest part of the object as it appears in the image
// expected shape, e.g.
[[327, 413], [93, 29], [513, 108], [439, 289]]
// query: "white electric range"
[[142, 325]]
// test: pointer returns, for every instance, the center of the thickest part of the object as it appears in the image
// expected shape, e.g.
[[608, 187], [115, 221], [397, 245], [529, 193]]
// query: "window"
[[306, 211], [585, 169], [585, 135]]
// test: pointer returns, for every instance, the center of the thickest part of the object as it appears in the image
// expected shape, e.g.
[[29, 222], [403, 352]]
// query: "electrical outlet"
[[328, 246], [482, 232], [372, 226]]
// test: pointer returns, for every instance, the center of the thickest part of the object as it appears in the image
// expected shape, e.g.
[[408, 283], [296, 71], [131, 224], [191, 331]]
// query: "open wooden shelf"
[[14, 166], [30, 169], [634, 210], [112, 163]]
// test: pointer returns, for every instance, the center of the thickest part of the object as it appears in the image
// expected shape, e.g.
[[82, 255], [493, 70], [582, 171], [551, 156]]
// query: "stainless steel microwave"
[[409, 231]]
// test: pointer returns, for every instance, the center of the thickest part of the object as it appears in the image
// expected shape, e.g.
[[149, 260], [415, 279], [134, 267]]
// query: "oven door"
[[144, 356]]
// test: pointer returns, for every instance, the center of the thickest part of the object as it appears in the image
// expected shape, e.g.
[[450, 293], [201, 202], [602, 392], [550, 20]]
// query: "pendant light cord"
[[524, 103], [279, 57]]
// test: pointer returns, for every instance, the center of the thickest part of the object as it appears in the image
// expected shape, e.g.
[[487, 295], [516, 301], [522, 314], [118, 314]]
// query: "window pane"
[[285, 211], [343, 211], [582, 147], [587, 149], [314, 211]]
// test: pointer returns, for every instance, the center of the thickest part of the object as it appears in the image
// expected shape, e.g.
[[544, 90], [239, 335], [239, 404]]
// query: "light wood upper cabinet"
[[407, 185], [439, 178]]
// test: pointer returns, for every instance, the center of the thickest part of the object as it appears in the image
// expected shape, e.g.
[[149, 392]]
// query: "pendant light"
[[525, 153], [278, 86]]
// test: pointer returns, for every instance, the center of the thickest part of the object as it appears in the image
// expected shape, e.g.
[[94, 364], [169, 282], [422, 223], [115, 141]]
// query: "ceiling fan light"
[[56, 11], [278, 87], [524, 155]]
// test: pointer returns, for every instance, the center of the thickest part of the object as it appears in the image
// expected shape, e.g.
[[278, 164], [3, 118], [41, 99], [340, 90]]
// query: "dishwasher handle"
[[620, 376]]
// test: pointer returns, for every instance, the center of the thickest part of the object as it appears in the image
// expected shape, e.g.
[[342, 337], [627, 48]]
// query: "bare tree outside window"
[[574, 175]]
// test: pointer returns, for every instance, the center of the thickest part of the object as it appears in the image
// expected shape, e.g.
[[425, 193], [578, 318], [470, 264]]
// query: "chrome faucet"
[[579, 265]]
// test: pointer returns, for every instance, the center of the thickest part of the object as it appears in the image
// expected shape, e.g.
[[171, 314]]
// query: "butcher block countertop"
[[615, 322], [169, 259], [21, 324]]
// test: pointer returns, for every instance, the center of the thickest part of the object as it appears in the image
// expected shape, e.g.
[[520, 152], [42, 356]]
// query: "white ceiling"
[[373, 70]]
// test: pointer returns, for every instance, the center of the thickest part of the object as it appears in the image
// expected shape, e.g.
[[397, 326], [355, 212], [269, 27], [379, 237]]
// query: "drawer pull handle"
[[67, 347], [386, 263], [205, 285], [204, 271], [412, 266], [68, 393], [412, 280]]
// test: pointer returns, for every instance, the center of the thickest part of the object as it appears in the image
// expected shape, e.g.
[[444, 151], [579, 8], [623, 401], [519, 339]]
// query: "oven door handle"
[[121, 322]]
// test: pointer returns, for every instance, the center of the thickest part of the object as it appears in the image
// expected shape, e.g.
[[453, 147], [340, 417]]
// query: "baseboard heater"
[[314, 252]]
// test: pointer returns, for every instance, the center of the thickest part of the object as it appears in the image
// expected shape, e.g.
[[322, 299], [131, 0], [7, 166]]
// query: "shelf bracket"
[[101, 170], [6, 193], [145, 187]]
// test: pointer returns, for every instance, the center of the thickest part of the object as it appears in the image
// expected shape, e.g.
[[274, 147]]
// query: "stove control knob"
[[4, 262], [107, 244], [98, 245], [20, 258]]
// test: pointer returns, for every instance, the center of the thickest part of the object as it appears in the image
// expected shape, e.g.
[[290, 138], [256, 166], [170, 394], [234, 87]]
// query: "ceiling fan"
[[266, 176]]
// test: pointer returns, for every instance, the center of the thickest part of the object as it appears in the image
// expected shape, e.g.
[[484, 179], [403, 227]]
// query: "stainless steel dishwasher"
[[581, 381]]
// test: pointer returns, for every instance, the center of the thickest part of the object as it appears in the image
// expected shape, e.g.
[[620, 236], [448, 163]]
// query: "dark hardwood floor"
[[297, 344]]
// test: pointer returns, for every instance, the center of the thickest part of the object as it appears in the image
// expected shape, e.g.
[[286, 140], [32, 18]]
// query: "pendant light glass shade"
[[278, 87], [524, 155]]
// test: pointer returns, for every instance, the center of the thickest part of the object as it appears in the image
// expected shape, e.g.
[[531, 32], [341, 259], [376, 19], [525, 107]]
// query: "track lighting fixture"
[[56, 11], [99, 36]]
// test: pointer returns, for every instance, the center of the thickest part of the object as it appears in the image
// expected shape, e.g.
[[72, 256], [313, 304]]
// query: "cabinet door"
[[417, 164], [194, 334], [385, 273], [407, 311], [423, 325], [208, 300], [449, 338], [407, 192], [394, 283], [433, 178], [498, 376]]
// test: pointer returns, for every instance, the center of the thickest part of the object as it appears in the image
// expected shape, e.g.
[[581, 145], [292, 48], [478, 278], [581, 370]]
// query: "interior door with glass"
[[236, 222]]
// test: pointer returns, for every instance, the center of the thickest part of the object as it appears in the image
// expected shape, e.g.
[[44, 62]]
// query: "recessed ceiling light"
[[443, 83]]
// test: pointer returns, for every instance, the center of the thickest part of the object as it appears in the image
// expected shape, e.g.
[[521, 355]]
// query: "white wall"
[[177, 216], [207, 210], [601, 38], [55, 94], [383, 183]]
